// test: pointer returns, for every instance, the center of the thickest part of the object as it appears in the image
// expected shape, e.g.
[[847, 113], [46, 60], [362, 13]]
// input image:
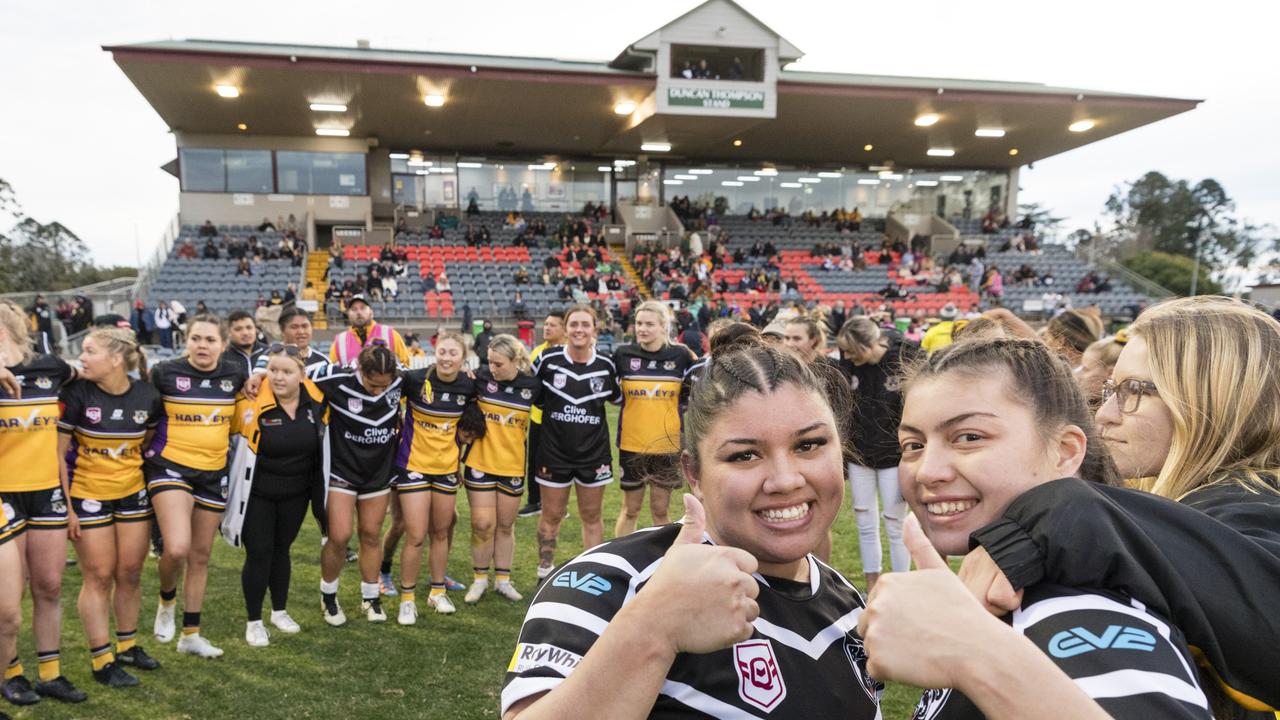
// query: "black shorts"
[[207, 487], [584, 476], [639, 469], [34, 510], [407, 481], [103, 513], [362, 489], [484, 482]]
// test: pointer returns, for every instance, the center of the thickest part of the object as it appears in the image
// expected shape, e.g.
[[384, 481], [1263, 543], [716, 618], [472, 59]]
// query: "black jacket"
[[877, 403], [1211, 564]]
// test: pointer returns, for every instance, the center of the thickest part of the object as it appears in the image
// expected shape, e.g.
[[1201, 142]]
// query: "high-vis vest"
[[347, 345]]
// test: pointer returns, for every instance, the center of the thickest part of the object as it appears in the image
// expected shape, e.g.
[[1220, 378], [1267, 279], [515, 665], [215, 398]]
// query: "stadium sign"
[[715, 98]]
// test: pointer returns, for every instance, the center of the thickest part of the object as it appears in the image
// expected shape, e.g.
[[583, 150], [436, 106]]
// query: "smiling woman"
[[728, 614]]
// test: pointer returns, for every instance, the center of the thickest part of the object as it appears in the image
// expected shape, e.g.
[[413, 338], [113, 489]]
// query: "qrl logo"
[[759, 680]]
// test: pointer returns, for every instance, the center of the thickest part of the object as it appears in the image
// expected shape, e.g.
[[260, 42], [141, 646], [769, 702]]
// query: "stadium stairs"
[[317, 268], [629, 271]]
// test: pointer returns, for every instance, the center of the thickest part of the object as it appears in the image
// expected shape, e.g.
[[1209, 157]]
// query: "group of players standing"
[[241, 438]]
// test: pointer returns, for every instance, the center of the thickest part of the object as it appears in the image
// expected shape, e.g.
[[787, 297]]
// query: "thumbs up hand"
[[702, 598], [921, 627]]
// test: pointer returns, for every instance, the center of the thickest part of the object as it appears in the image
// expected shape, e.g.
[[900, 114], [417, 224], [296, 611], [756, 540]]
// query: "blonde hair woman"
[[651, 372], [107, 420], [1191, 414], [33, 492]]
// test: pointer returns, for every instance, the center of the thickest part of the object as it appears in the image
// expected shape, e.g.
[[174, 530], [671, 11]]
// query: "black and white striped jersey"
[[574, 396], [804, 659], [1128, 659], [364, 430]]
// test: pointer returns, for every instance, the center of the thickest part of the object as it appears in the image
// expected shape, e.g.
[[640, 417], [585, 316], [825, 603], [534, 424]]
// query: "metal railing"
[[1119, 272]]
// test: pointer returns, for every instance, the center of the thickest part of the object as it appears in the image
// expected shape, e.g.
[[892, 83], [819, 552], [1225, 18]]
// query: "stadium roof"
[[522, 106]]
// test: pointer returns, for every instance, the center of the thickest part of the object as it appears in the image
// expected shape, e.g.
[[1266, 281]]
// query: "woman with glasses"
[[1191, 414], [274, 473]]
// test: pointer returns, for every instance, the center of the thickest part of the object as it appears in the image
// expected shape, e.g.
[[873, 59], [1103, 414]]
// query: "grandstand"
[[372, 145]]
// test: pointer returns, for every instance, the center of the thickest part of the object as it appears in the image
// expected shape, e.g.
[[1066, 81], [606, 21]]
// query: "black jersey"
[[363, 429], [873, 426], [574, 431], [691, 378], [651, 387], [804, 659], [107, 432], [29, 426], [195, 431], [428, 444], [1127, 658]]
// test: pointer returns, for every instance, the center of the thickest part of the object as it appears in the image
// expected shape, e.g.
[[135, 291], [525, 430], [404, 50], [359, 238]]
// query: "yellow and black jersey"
[[107, 432], [29, 426], [428, 442], [506, 407], [195, 431], [651, 384]]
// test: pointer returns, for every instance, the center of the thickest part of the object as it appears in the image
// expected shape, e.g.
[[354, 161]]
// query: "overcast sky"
[[81, 146]]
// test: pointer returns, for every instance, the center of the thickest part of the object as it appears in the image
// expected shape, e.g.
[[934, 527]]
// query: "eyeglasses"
[[290, 350], [1128, 393]]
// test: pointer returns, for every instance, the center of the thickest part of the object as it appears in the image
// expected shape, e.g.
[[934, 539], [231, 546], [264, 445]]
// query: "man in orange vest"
[[363, 332]]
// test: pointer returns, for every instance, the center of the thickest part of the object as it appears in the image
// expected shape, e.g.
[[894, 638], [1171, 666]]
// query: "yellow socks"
[[102, 656], [501, 575], [437, 590], [408, 594], [50, 665], [126, 640], [14, 669]]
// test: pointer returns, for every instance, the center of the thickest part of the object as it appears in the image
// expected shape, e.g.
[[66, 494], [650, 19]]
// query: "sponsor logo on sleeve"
[[589, 583], [759, 679], [1078, 641], [535, 655], [93, 414]]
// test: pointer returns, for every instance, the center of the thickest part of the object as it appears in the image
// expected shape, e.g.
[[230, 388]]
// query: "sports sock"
[[369, 590], [479, 573], [125, 641], [14, 669], [190, 623], [386, 567], [437, 589], [102, 656], [501, 575], [328, 588], [408, 593], [168, 597], [50, 664]]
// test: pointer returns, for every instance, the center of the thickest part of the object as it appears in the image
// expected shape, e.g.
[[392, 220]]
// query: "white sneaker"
[[195, 644], [256, 635], [373, 610], [284, 623], [442, 604], [408, 613], [544, 571], [508, 591], [336, 618], [165, 628], [475, 592]]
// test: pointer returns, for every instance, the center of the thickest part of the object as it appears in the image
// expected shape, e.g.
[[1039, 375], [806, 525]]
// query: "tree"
[[1172, 272], [43, 256], [1178, 218]]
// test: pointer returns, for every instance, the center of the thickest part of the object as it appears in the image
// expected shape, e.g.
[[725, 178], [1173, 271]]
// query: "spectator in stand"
[[163, 322], [989, 223], [187, 251], [483, 338], [521, 276], [373, 286], [735, 69], [429, 283], [208, 230], [519, 307], [291, 293], [243, 268], [993, 284], [142, 322], [836, 317], [442, 283], [275, 299], [201, 308], [390, 287], [210, 250]]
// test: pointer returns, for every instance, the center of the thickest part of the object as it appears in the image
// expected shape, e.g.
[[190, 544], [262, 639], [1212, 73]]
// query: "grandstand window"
[[249, 171], [202, 170], [709, 62], [320, 173], [211, 170]]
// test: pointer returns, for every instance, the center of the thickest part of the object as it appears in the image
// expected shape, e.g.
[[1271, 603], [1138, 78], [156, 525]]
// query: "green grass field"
[[444, 667]]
